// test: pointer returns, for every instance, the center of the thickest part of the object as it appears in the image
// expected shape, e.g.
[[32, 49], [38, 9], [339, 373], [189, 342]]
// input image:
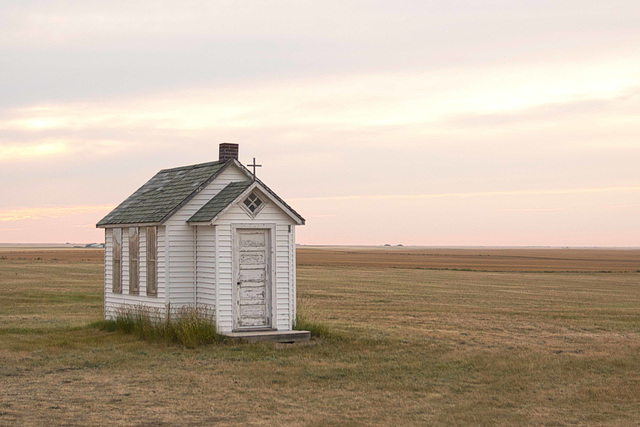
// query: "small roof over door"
[[231, 195]]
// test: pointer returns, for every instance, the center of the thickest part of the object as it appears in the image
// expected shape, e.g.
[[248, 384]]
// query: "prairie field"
[[414, 336]]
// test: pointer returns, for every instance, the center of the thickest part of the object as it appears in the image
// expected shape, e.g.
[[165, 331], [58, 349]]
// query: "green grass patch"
[[318, 330], [304, 322], [187, 326]]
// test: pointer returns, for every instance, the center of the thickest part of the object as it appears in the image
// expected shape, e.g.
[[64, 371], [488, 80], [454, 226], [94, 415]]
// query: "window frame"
[[134, 260], [116, 261], [152, 261], [259, 208]]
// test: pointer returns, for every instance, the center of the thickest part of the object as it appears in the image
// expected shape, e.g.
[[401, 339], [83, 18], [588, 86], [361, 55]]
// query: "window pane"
[[152, 272], [134, 273], [252, 202], [116, 285]]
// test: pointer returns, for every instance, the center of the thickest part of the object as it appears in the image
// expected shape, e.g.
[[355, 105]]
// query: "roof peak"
[[196, 166], [163, 195]]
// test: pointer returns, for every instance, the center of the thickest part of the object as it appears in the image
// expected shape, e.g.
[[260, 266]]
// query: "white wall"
[[206, 266], [182, 242], [199, 277], [271, 214], [113, 301], [224, 278]]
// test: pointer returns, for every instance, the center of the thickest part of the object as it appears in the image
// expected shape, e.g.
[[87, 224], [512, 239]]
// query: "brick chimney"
[[228, 151]]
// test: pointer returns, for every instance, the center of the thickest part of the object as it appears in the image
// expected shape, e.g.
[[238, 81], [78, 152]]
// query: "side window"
[[134, 271], [117, 261], [152, 261]]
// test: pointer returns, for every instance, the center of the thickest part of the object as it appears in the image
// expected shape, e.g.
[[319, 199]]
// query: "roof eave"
[[290, 212], [283, 205], [133, 224], [297, 218]]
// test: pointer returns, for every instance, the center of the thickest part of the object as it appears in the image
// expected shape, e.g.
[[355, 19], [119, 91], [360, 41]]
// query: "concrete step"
[[270, 335]]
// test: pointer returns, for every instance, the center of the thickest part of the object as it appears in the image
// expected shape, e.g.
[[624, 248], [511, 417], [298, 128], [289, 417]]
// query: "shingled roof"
[[220, 201], [163, 194]]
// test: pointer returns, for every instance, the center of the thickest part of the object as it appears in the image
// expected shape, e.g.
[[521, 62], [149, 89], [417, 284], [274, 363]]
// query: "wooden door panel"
[[252, 258], [252, 276], [252, 316], [252, 294], [252, 240], [253, 281]]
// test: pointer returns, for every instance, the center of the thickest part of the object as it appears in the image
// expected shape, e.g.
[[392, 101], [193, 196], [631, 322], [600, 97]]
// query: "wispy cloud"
[[86, 226], [378, 109], [531, 210], [366, 99], [625, 206], [12, 152], [473, 194], [36, 213]]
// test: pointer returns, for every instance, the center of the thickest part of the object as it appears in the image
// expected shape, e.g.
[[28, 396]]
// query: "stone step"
[[278, 336]]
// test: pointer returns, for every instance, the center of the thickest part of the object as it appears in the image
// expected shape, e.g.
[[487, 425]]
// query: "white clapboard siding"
[[206, 267], [108, 277], [181, 261], [224, 278], [271, 214], [142, 260], [125, 261], [114, 302], [282, 277], [163, 293], [292, 277], [182, 242]]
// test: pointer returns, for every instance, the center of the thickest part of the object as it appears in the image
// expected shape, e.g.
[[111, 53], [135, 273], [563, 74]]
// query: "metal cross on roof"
[[254, 166]]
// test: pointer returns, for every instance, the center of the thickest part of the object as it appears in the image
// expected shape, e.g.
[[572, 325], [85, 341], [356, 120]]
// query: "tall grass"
[[304, 322], [188, 326]]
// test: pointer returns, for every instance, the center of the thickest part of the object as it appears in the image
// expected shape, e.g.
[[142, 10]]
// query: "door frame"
[[271, 273]]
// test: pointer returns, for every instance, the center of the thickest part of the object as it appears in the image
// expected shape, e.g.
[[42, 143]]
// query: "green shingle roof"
[[214, 206], [163, 194]]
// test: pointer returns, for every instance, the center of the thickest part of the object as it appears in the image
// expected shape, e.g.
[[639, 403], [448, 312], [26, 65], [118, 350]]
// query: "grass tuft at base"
[[187, 326], [317, 329], [305, 323]]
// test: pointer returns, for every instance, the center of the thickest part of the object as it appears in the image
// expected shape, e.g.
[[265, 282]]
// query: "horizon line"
[[384, 245]]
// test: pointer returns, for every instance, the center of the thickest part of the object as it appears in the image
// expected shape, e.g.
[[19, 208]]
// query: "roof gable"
[[170, 189], [220, 201], [231, 195], [283, 205], [164, 194]]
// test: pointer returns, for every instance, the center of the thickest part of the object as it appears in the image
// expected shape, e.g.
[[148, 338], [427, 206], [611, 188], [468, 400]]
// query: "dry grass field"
[[485, 259], [535, 336]]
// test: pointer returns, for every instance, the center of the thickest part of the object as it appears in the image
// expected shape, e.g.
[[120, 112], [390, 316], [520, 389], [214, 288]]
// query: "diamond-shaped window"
[[253, 203]]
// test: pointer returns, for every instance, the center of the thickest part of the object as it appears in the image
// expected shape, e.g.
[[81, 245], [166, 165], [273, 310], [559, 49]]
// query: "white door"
[[253, 284]]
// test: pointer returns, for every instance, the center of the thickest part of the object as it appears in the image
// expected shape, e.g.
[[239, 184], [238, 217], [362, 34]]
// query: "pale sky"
[[494, 122]]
